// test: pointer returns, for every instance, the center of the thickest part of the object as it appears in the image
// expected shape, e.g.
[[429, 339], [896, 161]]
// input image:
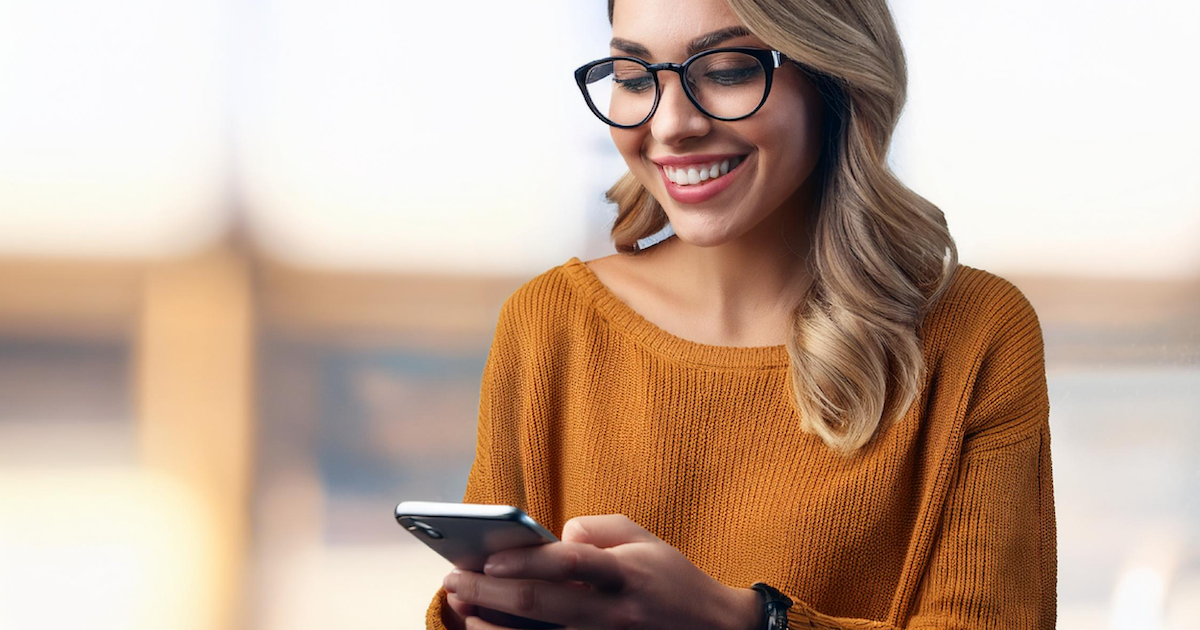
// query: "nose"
[[676, 119]]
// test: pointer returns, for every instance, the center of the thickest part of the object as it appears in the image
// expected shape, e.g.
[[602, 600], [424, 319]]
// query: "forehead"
[[665, 27]]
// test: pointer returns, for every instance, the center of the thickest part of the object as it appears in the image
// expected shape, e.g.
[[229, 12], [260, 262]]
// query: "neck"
[[754, 279]]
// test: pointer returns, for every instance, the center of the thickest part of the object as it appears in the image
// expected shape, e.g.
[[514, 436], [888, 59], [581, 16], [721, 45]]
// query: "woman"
[[798, 411]]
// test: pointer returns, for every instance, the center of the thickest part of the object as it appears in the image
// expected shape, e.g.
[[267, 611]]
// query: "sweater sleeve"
[[993, 559], [496, 476]]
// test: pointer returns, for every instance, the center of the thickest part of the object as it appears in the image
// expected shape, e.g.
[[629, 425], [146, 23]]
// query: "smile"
[[693, 174], [700, 181]]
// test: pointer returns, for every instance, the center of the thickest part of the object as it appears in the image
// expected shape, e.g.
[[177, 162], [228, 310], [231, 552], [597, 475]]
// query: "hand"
[[607, 573], [456, 617]]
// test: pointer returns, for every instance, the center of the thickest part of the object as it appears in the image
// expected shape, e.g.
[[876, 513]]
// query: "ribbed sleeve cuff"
[[801, 616], [433, 616]]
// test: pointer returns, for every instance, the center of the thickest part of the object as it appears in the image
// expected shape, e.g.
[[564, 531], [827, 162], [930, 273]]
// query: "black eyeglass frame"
[[768, 59]]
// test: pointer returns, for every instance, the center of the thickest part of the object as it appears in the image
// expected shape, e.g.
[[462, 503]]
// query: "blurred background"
[[252, 255]]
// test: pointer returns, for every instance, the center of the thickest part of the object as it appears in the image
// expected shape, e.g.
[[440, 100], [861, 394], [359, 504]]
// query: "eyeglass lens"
[[725, 84]]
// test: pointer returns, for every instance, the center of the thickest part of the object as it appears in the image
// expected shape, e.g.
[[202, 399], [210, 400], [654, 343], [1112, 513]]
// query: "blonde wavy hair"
[[881, 254]]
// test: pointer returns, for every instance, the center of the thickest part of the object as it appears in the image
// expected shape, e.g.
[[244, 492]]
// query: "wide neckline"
[[633, 324]]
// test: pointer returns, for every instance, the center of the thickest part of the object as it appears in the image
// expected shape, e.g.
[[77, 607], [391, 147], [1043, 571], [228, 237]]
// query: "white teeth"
[[693, 175]]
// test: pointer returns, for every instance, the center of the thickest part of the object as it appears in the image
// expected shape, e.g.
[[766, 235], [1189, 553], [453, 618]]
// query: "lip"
[[698, 193], [688, 160]]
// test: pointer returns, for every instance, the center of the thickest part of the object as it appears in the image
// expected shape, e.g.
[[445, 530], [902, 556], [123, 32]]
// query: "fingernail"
[[450, 583]]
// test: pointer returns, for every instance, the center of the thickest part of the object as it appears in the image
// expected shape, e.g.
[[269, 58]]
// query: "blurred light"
[[392, 135], [1058, 137], [101, 550], [365, 587], [112, 126], [1139, 600], [1183, 609]]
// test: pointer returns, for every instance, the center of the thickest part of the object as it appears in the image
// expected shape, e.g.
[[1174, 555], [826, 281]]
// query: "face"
[[773, 152]]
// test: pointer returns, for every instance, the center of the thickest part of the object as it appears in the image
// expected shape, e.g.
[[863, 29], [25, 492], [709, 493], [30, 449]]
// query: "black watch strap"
[[775, 605]]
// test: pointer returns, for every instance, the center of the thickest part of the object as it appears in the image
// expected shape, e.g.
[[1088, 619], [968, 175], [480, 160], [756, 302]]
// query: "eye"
[[733, 76], [727, 69], [636, 85]]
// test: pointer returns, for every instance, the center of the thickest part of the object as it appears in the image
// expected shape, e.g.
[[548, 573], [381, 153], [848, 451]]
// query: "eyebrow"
[[700, 43]]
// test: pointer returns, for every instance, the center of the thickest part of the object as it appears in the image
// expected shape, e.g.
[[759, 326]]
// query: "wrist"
[[775, 606], [746, 608]]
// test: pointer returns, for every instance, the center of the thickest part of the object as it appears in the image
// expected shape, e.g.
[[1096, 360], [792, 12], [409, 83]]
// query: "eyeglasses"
[[724, 83]]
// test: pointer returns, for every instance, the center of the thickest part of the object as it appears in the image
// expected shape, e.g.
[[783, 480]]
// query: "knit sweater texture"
[[945, 519]]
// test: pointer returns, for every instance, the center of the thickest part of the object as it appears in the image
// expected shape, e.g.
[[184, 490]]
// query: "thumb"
[[607, 530]]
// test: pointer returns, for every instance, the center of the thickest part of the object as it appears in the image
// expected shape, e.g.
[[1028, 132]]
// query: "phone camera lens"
[[429, 530]]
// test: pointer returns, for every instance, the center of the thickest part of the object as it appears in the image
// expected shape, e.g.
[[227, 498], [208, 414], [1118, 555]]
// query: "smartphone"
[[467, 533]]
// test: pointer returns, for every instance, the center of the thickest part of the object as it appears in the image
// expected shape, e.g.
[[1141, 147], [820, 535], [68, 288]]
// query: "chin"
[[700, 236]]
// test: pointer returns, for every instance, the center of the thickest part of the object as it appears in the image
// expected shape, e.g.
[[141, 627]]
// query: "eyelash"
[[637, 86]]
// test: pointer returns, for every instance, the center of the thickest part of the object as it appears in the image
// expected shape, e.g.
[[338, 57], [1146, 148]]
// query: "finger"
[[459, 606], [606, 530], [535, 599], [559, 562], [505, 620], [477, 623]]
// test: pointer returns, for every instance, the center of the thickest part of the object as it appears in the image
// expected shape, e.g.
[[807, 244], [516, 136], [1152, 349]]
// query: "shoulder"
[[979, 305], [546, 305], [984, 334], [543, 292], [978, 291]]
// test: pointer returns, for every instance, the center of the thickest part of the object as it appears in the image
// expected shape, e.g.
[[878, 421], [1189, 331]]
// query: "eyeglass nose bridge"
[[678, 69]]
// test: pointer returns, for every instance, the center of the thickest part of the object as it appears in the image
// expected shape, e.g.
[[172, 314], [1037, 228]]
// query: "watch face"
[[776, 605]]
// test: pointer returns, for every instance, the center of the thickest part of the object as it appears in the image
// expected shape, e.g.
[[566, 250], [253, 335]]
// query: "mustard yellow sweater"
[[944, 520]]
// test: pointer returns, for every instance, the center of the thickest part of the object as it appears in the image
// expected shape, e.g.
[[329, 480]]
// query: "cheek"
[[625, 140], [629, 143], [796, 143], [796, 121]]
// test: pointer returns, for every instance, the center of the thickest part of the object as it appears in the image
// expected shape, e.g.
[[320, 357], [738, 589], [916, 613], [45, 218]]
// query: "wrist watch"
[[775, 605]]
